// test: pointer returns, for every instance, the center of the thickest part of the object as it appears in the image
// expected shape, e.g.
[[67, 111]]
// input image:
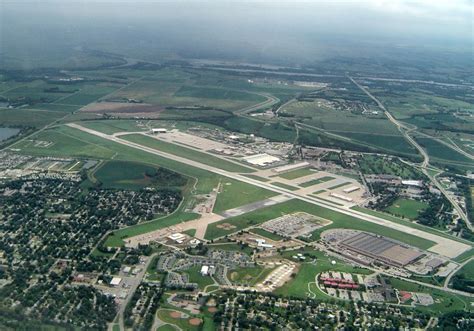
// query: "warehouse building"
[[381, 248]]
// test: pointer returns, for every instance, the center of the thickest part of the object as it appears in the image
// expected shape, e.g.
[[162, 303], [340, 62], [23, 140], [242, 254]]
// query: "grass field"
[[248, 275], [338, 221], [234, 194], [262, 179], [298, 286], [298, 173], [27, 117], [441, 152], [406, 222], [407, 208], [187, 153], [468, 270], [338, 186], [374, 164], [316, 181], [181, 323], [285, 186], [266, 234], [195, 276], [133, 176], [444, 301], [116, 239], [113, 126]]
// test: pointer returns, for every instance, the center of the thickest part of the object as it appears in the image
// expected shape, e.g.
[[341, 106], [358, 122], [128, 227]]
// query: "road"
[[405, 131], [137, 280], [459, 267], [450, 247]]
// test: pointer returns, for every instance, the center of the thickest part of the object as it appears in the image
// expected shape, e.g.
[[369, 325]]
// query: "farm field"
[[28, 117], [407, 208], [89, 94], [298, 173], [338, 221], [187, 153], [234, 194], [442, 153]]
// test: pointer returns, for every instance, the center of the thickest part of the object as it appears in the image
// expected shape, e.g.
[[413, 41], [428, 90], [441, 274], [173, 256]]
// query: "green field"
[[266, 234], [89, 94], [28, 117], [338, 185], [467, 270], [64, 144], [133, 176], [181, 323], [234, 194], [406, 222], [285, 186], [298, 286], [298, 173], [113, 126], [316, 181], [442, 153], [187, 153], [248, 275], [292, 206], [407, 208], [195, 276], [262, 179], [374, 164]]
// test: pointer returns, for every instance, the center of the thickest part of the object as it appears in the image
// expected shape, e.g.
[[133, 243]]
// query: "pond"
[[6, 133]]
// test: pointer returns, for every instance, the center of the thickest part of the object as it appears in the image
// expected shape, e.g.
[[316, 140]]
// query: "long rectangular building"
[[381, 248]]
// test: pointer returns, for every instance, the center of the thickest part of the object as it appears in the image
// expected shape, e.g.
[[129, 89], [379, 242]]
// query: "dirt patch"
[[175, 314], [212, 309], [225, 226], [195, 321]]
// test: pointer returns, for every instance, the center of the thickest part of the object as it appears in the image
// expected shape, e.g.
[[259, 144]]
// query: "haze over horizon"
[[247, 31]]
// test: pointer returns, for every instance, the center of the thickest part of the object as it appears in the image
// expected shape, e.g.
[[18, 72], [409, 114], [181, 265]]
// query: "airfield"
[[440, 245]]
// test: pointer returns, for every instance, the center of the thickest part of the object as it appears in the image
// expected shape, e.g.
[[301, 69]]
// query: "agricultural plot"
[[407, 208], [27, 117], [441, 152], [89, 94], [176, 88]]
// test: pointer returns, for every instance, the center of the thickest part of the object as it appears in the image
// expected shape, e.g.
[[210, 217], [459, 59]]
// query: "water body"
[[6, 133]]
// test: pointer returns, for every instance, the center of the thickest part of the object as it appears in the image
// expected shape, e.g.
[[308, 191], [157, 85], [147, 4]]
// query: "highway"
[[405, 131], [449, 247]]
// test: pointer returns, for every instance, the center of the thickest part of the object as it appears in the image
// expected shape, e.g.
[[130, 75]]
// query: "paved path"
[[444, 246]]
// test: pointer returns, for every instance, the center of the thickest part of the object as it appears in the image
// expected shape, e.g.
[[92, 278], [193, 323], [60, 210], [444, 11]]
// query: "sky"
[[289, 31]]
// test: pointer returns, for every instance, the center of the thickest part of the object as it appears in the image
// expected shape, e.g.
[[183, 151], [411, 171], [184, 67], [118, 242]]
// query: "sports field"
[[407, 208]]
